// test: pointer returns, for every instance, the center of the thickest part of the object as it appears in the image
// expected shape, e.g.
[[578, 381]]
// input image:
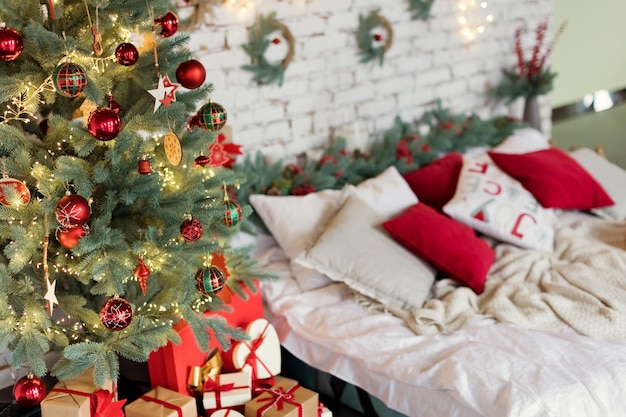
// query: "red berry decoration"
[[212, 116], [126, 54], [69, 237], [116, 314], [69, 79], [191, 230], [190, 74], [233, 213], [29, 390], [18, 186], [104, 124], [378, 37], [168, 24], [72, 210], [211, 280], [276, 41], [11, 44]]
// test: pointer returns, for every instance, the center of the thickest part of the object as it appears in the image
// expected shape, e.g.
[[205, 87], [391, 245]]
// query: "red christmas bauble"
[[11, 44], [143, 167], [116, 314], [114, 105], [73, 210], [191, 230], [104, 124], [212, 116], [190, 74], [69, 79], [194, 121], [69, 237], [211, 280], [126, 54], [29, 391], [18, 186], [168, 24], [233, 213]]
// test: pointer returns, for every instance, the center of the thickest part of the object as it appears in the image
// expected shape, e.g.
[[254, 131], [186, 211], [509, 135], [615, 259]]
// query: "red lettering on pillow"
[[496, 188], [518, 222], [479, 167]]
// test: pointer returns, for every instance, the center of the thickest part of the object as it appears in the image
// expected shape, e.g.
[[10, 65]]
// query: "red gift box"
[[169, 366]]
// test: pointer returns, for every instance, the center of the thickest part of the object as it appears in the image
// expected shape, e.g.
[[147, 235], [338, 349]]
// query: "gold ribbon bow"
[[199, 374]]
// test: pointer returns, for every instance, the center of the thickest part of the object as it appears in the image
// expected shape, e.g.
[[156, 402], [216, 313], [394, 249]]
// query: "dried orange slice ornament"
[[173, 150]]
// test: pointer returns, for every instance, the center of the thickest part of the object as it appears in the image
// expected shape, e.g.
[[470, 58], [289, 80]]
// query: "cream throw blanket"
[[582, 284]]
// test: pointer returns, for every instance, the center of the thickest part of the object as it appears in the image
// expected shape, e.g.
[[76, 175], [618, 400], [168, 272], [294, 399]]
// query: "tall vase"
[[531, 112]]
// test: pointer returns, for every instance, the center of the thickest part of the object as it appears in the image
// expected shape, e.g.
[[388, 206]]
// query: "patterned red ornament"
[[190, 74], [219, 260], [29, 390], [104, 124], [126, 54], [201, 161], [11, 44], [69, 237], [233, 213], [69, 79], [210, 281], [168, 24], [143, 167], [232, 150], [212, 116], [6, 183], [142, 273], [116, 314], [191, 230], [72, 210], [217, 155]]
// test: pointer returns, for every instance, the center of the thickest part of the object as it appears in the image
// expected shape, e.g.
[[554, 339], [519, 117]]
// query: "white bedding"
[[485, 368]]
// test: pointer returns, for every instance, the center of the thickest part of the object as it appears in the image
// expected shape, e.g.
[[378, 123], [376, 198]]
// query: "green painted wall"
[[591, 53]]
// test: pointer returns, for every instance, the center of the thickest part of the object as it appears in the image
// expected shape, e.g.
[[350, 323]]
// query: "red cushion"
[[435, 183], [449, 246], [555, 179]]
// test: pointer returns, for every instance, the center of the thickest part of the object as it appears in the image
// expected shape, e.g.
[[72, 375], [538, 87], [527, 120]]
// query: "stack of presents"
[[187, 382]]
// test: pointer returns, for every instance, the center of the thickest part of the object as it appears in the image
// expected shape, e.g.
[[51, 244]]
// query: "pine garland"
[[368, 50], [264, 71], [420, 9], [402, 146]]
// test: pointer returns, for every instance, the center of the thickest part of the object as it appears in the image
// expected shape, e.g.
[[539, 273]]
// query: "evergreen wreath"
[[420, 9], [367, 49], [264, 71]]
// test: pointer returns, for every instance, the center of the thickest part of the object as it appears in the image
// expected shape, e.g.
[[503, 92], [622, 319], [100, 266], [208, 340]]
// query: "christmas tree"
[[113, 224]]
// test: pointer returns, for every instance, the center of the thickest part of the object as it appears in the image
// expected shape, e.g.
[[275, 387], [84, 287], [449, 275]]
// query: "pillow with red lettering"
[[497, 205]]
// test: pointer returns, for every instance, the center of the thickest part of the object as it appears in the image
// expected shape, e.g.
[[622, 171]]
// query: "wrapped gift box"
[[162, 402], [169, 366], [260, 355], [323, 411], [72, 398], [227, 390], [285, 399]]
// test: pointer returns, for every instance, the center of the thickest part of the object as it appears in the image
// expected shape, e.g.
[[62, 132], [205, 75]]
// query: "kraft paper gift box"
[[162, 402], [285, 399], [170, 366], [227, 390], [72, 398]]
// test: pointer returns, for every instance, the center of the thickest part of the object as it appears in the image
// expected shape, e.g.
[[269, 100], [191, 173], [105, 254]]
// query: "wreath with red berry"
[[264, 71], [374, 37], [420, 9]]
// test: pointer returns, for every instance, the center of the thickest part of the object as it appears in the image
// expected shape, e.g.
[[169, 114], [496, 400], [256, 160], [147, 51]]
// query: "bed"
[[527, 319]]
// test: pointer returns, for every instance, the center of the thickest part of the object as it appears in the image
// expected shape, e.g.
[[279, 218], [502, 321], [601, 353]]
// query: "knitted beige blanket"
[[582, 284]]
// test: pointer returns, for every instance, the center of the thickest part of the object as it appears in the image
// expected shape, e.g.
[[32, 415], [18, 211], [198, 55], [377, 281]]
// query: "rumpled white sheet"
[[484, 368]]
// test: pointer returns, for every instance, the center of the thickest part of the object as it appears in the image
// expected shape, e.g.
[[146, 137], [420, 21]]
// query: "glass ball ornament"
[[212, 116], [69, 79], [68, 237], [168, 24], [116, 314], [29, 390], [72, 210], [190, 74], [211, 280], [104, 123], [11, 44], [18, 186], [233, 213], [126, 54], [191, 230]]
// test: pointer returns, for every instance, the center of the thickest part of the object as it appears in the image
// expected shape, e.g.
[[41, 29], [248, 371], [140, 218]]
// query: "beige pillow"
[[356, 250]]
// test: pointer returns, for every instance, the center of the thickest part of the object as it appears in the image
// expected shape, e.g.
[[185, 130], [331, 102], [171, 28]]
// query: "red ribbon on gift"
[[165, 404], [215, 386], [278, 400], [101, 402], [253, 360], [320, 409]]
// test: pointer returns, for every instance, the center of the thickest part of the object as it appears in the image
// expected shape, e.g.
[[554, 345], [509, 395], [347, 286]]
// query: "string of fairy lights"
[[474, 17]]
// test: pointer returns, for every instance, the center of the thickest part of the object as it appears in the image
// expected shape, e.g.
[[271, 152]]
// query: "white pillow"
[[523, 140], [356, 250], [492, 202], [388, 193], [610, 176]]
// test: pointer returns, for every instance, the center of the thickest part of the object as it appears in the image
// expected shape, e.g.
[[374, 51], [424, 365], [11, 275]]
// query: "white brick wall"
[[326, 88]]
